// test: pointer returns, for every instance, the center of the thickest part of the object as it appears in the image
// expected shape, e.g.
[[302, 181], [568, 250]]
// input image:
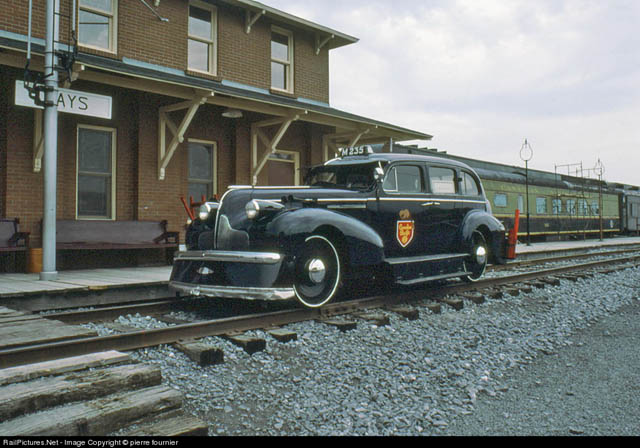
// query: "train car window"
[[500, 200], [595, 209], [556, 205], [521, 203], [571, 206], [442, 180], [403, 179], [469, 185], [582, 207], [634, 210], [541, 205]]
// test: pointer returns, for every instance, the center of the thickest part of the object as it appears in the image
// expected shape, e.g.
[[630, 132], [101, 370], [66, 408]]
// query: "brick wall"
[[242, 58]]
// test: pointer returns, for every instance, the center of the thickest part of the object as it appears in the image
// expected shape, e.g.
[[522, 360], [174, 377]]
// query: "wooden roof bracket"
[[271, 145], [251, 18], [165, 153], [322, 42]]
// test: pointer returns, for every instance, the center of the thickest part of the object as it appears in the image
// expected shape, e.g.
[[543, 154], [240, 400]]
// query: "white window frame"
[[114, 136], [212, 44], [113, 26], [287, 63], [214, 163], [295, 161]]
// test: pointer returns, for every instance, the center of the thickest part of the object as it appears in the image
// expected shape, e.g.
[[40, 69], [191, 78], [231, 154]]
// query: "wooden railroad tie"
[[342, 325], [250, 344], [282, 335], [456, 304], [478, 299], [378, 319], [200, 352], [407, 312]]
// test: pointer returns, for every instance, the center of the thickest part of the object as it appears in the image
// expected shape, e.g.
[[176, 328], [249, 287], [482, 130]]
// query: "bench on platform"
[[102, 235], [12, 240]]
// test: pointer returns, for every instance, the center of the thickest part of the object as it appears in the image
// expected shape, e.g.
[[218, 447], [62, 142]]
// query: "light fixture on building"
[[232, 113]]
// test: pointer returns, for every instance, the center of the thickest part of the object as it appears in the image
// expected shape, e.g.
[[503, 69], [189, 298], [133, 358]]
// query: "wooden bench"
[[101, 235], [12, 241]]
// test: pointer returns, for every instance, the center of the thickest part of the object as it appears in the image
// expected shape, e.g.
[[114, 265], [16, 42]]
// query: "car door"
[[399, 217], [443, 220]]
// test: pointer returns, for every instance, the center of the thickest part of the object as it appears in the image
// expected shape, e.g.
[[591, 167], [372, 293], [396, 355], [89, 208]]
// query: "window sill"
[[206, 75], [98, 51], [280, 92]]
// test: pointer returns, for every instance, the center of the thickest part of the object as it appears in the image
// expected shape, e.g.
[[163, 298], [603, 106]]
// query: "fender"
[[476, 219], [363, 244]]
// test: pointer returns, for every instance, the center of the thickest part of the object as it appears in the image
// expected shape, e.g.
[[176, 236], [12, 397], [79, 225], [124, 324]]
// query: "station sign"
[[70, 101]]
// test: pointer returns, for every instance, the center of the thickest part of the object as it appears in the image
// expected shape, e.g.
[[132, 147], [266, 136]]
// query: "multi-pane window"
[[96, 173], [281, 60], [202, 37], [97, 24], [571, 206], [202, 170], [556, 205]]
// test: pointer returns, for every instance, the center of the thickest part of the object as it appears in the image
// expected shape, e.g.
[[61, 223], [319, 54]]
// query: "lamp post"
[[599, 169], [526, 154]]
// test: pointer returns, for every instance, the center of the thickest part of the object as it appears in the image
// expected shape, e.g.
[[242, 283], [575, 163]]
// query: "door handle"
[[430, 203]]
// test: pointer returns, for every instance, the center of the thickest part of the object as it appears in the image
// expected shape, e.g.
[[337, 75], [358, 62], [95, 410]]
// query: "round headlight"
[[253, 209], [203, 212]]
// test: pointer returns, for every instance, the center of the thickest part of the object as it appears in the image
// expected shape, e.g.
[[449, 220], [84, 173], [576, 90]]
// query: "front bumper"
[[232, 292], [229, 274]]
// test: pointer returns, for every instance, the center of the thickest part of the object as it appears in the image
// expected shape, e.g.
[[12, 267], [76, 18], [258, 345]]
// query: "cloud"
[[482, 75]]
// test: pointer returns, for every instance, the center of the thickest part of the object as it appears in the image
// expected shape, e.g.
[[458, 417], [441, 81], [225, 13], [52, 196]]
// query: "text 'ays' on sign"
[[70, 101]]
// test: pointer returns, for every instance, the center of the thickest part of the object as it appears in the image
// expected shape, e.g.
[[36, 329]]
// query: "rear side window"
[[403, 179], [442, 180], [469, 185]]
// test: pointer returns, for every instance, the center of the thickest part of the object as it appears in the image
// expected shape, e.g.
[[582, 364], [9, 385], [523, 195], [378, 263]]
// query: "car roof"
[[395, 157]]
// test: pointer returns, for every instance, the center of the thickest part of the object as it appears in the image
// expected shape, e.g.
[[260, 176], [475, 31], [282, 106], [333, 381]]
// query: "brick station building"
[[203, 94]]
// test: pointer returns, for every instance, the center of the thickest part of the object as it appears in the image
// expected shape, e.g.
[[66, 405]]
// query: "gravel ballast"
[[560, 360]]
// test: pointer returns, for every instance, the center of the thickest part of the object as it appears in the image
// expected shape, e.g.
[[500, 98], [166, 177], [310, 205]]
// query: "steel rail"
[[553, 259], [147, 338]]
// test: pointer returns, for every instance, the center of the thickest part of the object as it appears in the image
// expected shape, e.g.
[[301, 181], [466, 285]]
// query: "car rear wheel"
[[318, 272], [477, 261]]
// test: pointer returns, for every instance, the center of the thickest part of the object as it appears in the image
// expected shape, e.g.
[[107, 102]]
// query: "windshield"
[[355, 177]]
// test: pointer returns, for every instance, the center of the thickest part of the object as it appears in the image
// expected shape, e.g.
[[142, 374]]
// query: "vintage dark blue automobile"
[[362, 217]]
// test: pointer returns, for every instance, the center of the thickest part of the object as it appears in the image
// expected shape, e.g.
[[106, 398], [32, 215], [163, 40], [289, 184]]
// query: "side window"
[[541, 205], [500, 200], [556, 205], [442, 180], [97, 24], [202, 169], [571, 206], [469, 185], [96, 173], [403, 179]]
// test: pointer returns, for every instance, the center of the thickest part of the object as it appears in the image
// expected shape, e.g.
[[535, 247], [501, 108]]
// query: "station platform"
[[107, 286], [558, 248]]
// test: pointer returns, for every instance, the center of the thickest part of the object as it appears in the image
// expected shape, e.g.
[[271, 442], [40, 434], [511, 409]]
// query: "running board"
[[414, 281]]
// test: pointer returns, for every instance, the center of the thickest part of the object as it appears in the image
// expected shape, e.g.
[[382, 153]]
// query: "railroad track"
[[38, 352]]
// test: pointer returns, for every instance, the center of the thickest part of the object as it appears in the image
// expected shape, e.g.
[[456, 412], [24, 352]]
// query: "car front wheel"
[[317, 272]]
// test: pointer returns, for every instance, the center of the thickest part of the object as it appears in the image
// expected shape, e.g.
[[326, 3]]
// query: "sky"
[[482, 76]]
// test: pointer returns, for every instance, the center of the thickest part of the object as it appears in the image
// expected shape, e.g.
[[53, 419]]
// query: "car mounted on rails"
[[362, 217]]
